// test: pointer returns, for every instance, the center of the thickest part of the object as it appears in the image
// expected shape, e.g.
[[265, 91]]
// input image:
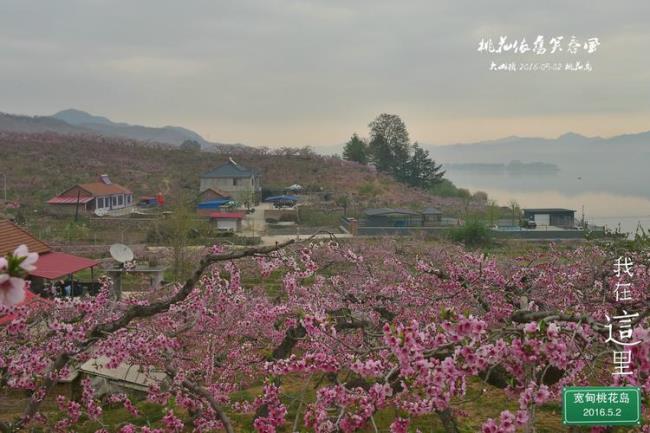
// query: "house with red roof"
[[101, 197]]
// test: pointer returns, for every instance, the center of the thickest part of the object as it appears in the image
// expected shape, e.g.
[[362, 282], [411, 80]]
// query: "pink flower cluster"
[[276, 411]]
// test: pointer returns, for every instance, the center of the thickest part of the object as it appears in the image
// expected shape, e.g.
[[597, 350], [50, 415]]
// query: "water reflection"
[[605, 200]]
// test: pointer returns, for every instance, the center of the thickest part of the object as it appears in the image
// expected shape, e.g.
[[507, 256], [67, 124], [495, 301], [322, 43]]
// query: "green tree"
[[389, 128], [356, 150], [191, 145], [177, 230], [420, 170], [380, 154], [516, 211], [492, 212], [473, 233]]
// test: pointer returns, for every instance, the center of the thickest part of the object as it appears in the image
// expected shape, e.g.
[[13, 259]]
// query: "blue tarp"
[[212, 204], [281, 198]]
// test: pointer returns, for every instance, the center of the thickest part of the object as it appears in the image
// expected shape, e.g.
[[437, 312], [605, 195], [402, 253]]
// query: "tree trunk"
[[448, 420], [530, 425]]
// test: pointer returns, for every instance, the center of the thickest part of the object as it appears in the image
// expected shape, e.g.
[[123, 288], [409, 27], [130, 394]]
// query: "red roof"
[[11, 236], [228, 215], [101, 188], [70, 200], [54, 265]]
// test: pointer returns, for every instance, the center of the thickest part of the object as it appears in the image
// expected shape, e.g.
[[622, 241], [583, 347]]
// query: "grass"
[[317, 217], [480, 403]]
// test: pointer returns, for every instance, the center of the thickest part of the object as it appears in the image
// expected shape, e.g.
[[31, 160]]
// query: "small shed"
[[431, 216], [124, 377], [230, 221], [556, 217], [388, 217]]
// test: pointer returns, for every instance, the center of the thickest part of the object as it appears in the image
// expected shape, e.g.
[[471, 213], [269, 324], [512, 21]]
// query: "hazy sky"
[[281, 72]]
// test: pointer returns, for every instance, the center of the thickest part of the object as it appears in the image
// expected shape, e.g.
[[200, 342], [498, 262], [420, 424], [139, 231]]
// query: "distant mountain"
[[567, 149], [73, 121], [616, 165], [37, 124], [103, 126], [167, 134], [78, 117]]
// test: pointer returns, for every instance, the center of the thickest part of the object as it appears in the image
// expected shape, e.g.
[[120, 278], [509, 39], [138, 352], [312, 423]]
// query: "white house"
[[240, 183]]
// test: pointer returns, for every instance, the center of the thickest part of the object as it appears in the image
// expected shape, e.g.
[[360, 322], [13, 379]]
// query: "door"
[[543, 219]]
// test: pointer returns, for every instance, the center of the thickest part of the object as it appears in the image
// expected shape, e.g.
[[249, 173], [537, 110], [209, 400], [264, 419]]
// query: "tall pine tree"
[[356, 150], [421, 170]]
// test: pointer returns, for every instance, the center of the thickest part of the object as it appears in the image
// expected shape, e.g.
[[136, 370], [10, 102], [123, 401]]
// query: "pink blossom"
[[531, 327], [172, 423], [553, 330], [12, 290], [29, 259], [400, 425]]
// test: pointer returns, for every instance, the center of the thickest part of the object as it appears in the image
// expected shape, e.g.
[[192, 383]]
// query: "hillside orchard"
[[36, 173], [378, 336]]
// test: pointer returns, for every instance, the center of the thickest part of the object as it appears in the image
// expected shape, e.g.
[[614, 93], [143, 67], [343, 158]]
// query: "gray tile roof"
[[548, 210], [431, 211], [230, 169], [386, 211]]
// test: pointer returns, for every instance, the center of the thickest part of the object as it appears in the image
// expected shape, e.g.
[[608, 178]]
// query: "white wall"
[[543, 219], [227, 224]]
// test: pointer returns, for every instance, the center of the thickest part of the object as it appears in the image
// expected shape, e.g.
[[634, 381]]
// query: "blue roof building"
[[235, 180]]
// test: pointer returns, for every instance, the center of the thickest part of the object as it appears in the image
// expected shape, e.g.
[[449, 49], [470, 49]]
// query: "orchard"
[[322, 336]]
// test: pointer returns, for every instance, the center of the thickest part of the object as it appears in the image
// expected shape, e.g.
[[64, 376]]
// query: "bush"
[[317, 217], [288, 217], [246, 240], [369, 189], [480, 195], [446, 188], [473, 233]]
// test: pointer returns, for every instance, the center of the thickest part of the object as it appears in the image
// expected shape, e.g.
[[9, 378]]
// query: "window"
[[114, 200], [100, 203], [120, 200], [234, 182]]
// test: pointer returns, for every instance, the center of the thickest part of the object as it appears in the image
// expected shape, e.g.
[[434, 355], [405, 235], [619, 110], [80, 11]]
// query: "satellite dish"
[[121, 253]]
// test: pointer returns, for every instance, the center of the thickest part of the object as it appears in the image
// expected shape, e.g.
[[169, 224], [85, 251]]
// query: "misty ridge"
[[617, 165], [571, 163], [73, 121], [513, 167]]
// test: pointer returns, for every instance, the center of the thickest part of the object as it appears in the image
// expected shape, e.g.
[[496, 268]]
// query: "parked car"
[[529, 224]]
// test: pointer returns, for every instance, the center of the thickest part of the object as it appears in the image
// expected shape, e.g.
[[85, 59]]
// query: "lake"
[[614, 196]]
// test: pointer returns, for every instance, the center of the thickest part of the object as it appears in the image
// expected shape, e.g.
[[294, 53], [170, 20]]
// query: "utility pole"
[[76, 209], [4, 177]]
